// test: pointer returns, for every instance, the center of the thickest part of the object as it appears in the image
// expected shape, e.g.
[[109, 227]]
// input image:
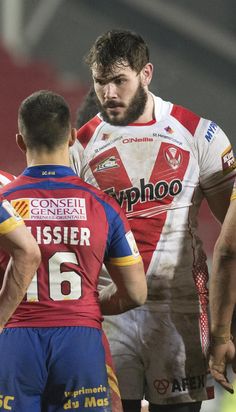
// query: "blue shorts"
[[53, 370]]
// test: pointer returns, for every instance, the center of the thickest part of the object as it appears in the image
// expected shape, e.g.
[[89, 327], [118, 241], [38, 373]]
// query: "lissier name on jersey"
[[67, 235], [51, 208]]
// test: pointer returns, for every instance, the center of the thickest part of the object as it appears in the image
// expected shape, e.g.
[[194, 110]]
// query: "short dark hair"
[[88, 109], [116, 47], [44, 120]]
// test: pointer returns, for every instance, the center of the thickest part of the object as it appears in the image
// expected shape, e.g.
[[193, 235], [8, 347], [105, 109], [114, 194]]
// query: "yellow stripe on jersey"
[[112, 380], [9, 225], [233, 195], [125, 260]]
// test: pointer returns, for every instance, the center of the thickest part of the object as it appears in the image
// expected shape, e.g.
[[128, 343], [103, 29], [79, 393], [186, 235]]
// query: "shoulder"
[[85, 133], [186, 117], [5, 178]]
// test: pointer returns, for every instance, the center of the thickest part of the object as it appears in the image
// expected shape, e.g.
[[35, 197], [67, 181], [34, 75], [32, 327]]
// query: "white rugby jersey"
[[5, 178], [159, 172]]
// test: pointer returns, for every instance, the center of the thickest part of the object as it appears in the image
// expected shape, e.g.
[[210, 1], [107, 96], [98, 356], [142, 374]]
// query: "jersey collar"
[[48, 171]]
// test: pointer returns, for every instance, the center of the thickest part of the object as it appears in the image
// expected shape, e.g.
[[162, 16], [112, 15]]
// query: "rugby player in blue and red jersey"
[[52, 348]]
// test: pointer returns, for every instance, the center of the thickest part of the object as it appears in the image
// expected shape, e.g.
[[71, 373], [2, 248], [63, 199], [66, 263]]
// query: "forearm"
[[114, 302], [222, 292], [17, 278]]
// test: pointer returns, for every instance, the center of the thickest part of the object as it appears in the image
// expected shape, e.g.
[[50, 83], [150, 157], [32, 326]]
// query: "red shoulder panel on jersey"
[[85, 133], [187, 118], [7, 175]]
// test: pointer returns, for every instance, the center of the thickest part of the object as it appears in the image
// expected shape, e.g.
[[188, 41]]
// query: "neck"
[[58, 157], [148, 113]]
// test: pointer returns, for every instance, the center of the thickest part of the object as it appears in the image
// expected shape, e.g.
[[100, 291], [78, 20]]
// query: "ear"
[[72, 138], [146, 74], [20, 143]]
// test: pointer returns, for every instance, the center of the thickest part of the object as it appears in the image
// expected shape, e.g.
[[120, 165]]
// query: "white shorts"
[[159, 356]]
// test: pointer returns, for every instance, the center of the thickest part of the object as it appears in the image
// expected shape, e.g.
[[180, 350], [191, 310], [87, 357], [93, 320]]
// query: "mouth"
[[113, 105]]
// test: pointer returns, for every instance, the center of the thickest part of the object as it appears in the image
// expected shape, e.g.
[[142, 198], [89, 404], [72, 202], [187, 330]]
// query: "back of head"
[[44, 120], [88, 109], [117, 47]]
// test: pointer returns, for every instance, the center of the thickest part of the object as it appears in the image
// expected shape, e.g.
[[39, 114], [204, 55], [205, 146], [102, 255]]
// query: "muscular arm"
[[128, 291], [219, 203], [223, 276], [25, 259], [223, 297]]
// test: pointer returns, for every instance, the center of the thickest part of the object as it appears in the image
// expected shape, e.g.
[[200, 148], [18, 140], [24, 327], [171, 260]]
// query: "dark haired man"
[[53, 345], [159, 161]]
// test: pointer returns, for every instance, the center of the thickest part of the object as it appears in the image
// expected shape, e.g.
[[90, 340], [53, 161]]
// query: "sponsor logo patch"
[[132, 244], [108, 163], [211, 131], [137, 140], [51, 208], [228, 160], [161, 386], [180, 385], [9, 208]]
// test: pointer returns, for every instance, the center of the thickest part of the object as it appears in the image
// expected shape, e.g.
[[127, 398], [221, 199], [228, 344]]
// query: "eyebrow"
[[109, 79]]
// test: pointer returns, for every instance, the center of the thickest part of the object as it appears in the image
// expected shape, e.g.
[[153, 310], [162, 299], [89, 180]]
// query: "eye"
[[119, 81], [99, 82]]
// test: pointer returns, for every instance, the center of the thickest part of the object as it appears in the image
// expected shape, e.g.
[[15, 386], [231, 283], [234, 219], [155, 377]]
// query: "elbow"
[[225, 251], [32, 256], [140, 296]]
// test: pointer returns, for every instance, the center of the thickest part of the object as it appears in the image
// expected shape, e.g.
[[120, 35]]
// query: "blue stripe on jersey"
[[4, 214]]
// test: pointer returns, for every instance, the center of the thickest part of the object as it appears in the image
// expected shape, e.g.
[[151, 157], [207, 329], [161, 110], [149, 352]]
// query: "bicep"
[[219, 202], [18, 240], [228, 230], [128, 278]]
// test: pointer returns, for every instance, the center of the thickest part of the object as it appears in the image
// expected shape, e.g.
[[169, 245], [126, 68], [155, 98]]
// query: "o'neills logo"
[[137, 140], [51, 208]]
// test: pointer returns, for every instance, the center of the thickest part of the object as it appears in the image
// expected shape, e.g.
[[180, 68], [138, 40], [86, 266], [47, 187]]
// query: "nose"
[[110, 91]]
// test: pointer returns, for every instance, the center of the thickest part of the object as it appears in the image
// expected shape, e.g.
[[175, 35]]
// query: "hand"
[[220, 356]]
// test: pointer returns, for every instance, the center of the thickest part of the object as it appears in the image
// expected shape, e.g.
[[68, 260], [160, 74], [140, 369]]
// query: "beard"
[[134, 110]]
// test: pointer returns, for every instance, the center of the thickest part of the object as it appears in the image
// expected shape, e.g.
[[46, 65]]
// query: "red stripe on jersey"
[[187, 118], [85, 133], [148, 201], [170, 167], [109, 171]]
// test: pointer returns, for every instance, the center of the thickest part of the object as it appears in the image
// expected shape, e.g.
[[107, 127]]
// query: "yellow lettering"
[[90, 402], [7, 399], [67, 405]]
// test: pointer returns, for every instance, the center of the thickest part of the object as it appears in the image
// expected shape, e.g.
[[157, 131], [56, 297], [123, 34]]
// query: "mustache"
[[111, 104]]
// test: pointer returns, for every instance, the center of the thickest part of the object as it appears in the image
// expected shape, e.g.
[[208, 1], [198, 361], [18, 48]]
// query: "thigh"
[[22, 372], [77, 377], [122, 332], [184, 407], [175, 365]]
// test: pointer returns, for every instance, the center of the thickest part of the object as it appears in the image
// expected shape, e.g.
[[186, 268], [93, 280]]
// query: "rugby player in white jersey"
[[159, 160]]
